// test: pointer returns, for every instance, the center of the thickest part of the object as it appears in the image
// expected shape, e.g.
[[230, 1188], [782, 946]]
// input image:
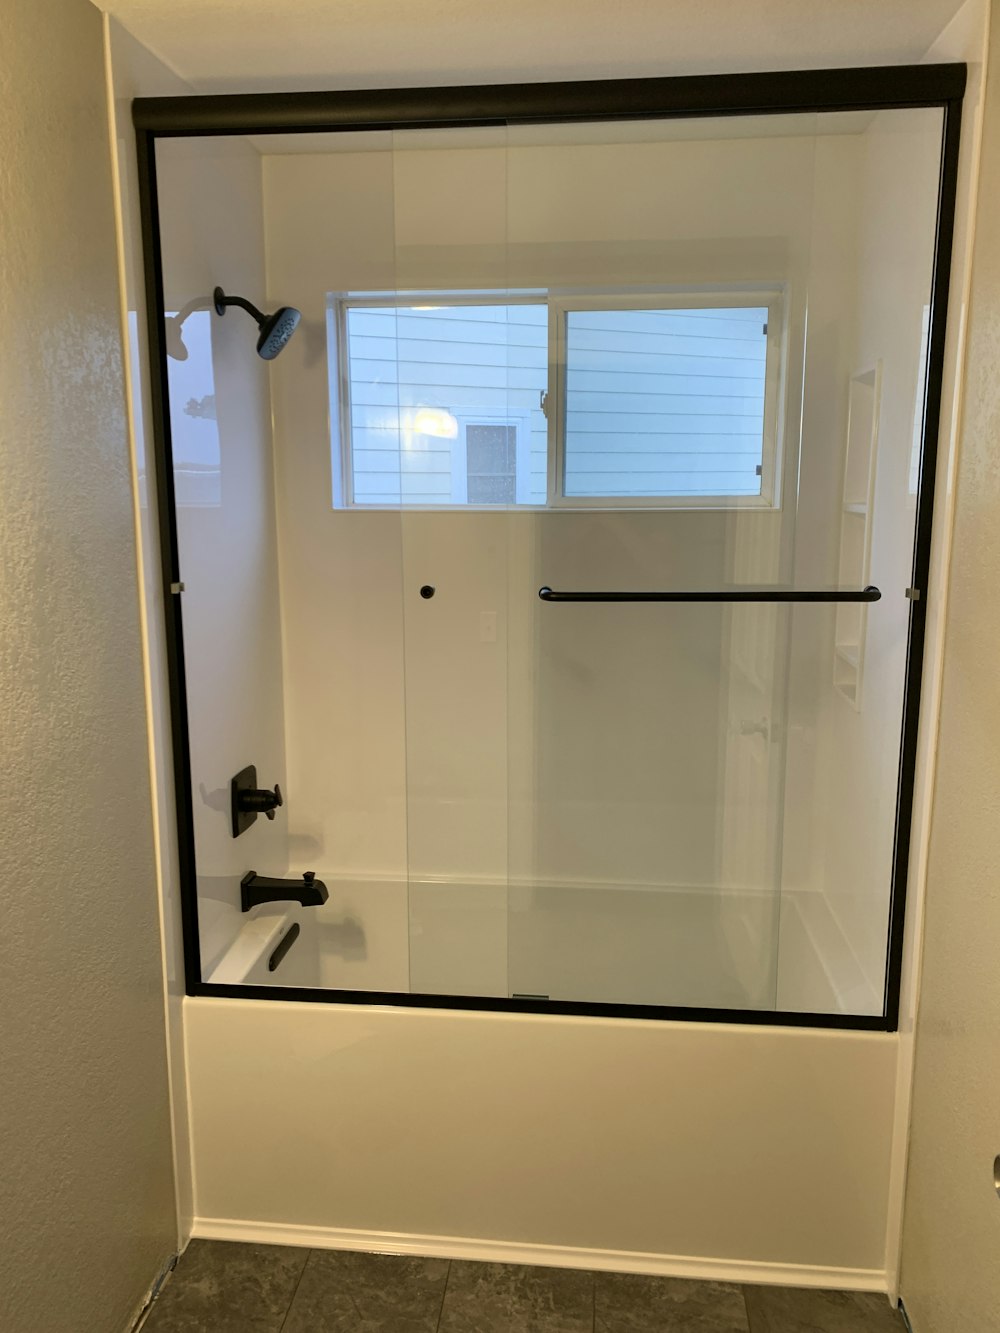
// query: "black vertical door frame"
[[891, 87]]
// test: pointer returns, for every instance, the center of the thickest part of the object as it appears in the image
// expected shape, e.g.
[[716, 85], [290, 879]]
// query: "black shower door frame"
[[892, 87]]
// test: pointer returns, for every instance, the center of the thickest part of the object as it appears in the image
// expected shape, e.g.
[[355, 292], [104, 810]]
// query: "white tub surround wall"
[[88, 1219], [741, 1153], [212, 234], [845, 745], [416, 748]]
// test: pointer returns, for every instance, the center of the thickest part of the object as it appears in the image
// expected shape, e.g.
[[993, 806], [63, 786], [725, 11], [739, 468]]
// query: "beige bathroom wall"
[[133, 71], [88, 1217], [951, 1225]]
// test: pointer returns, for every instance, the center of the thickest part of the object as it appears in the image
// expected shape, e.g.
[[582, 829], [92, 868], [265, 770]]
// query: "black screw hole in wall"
[[427, 591]]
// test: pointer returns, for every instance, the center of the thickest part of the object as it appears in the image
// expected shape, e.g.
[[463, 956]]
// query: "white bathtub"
[[588, 942]]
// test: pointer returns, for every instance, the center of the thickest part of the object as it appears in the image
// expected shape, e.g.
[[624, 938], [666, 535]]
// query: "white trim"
[[339, 405], [955, 42], [517, 417], [548, 1256], [131, 296]]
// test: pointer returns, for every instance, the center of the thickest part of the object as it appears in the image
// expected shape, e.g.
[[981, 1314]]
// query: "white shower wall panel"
[[415, 747], [212, 234]]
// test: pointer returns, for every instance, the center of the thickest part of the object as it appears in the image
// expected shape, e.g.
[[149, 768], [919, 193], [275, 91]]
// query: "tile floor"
[[219, 1287]]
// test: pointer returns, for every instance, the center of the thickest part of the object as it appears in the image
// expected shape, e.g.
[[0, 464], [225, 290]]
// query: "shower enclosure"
[[566, 570]]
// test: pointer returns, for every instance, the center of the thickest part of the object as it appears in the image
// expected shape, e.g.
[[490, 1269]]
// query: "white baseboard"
[[552, 1256]]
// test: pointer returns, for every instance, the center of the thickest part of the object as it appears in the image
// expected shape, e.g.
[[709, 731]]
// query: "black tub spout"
[[256, 889]]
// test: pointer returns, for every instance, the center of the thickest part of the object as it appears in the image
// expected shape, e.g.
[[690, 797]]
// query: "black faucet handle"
[[278, 800], [308, 876], [259, 800]]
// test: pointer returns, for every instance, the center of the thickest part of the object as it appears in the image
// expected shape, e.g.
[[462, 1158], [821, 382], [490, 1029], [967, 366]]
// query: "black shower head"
[[275, 330]]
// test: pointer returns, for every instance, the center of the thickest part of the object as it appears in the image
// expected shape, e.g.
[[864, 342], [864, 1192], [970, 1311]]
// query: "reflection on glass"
[[193, 419], [426, 384]]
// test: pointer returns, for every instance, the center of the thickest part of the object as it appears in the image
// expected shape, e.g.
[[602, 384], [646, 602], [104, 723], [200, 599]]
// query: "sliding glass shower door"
[[654, 479], [586, 588]]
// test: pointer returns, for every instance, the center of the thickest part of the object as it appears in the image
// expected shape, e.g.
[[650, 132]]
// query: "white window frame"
[[559, 305], [676, 299], [521, 421]]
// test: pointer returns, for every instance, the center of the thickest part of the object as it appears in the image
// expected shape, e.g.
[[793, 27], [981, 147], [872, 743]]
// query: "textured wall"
[[88, 1212], [950, 1278]]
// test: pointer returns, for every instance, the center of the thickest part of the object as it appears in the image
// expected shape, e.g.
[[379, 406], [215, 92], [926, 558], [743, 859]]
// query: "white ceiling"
[[274, 45]]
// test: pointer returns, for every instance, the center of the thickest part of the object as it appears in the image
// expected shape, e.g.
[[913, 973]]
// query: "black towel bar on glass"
[[869, 594]]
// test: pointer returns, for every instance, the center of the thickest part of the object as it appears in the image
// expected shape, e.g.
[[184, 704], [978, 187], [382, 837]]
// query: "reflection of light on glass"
[[918, 404], [194, 429], [426, 307], [435, 421]]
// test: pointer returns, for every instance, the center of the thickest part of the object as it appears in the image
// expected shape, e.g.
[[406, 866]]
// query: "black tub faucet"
[[256, 889]]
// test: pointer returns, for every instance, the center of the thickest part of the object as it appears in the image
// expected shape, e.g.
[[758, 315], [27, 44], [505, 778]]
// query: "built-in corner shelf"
[[856, 529]]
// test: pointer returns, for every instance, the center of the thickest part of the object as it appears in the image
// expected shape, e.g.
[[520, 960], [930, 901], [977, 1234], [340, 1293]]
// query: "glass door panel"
[[461, 343], [573, 582], [571, 368], [702, 803]]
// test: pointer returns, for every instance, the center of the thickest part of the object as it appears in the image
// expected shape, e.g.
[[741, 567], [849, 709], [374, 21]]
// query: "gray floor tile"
[[792, 1310], [629, 1303], [218, 1287], [511, 1298], [343, 1292]]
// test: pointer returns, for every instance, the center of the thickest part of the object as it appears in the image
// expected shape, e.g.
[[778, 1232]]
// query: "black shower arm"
[[222, 300]]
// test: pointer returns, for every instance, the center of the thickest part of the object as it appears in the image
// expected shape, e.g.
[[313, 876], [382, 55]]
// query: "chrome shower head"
[[275, 330]]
